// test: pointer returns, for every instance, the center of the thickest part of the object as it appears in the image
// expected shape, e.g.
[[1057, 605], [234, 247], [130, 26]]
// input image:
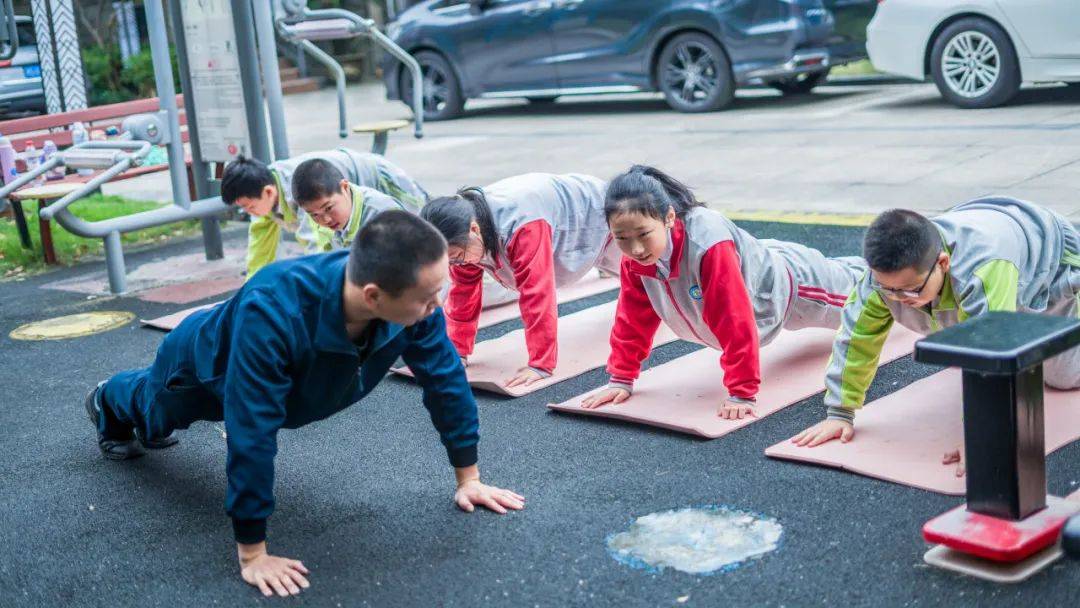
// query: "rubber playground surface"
[[364, 498]]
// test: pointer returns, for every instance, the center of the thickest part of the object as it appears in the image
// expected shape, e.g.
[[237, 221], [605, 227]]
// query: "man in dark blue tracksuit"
[[302, 340]]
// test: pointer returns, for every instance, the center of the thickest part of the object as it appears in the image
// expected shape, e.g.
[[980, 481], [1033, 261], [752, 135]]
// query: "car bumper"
[[896, 49], [22, 95], [805, 61]]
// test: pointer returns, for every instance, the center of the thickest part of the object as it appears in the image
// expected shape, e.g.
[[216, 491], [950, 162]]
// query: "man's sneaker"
[[116, 442], [157, 444]]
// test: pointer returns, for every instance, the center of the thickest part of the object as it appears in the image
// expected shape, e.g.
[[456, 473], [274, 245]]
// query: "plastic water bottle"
[[78, 136], [32, 158], [48, 151], [8, 155]]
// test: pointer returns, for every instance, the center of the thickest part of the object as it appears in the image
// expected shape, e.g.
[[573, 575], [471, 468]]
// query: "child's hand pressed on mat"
[[955, 457], [524, 377], [825, 431], [271, 574], [736, 410], [613, 396]]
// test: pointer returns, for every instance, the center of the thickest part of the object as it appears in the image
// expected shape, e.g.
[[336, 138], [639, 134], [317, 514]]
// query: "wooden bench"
[[56, 127]]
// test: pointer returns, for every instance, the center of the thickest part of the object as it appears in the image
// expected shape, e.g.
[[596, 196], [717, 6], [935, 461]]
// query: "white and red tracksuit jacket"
[[552, 231], [719, 286]]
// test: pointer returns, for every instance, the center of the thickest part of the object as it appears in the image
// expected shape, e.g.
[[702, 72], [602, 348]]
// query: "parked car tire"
[[799, 84], [442, 91], [694, 74], [974, 64]]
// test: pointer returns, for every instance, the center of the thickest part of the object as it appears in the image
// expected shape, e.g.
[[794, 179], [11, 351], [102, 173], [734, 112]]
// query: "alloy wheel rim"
[[970, 64], [436, 88], [691, 74]]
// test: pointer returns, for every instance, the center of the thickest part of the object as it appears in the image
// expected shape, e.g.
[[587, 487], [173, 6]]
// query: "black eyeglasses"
[[907, 293]]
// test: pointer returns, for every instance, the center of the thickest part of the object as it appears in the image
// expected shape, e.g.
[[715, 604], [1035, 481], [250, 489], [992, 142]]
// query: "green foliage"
[[111, 81]]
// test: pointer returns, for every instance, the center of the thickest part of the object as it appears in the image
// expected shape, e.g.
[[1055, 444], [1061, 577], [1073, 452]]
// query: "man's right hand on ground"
[[823, 432], [271, 574], [613, 396]]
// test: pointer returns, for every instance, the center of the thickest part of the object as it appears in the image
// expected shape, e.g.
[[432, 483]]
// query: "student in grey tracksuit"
[[989, 254], [532, 233], [711, 283], [265, 192]]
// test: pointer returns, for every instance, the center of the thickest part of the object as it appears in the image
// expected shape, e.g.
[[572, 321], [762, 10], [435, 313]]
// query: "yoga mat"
[[684, 394], [591, 285], [169, 322], [583, 346], [902, 437]]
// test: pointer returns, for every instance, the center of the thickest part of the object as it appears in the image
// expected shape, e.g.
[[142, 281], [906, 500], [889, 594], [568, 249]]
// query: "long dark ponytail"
[[648, 191], [453, 217]]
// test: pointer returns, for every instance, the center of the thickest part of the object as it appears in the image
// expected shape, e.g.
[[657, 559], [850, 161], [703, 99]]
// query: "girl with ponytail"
[[533, 233], [711, 282]]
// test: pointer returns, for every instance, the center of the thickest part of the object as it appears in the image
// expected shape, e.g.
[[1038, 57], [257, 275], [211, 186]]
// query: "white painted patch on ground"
[[696, 540]]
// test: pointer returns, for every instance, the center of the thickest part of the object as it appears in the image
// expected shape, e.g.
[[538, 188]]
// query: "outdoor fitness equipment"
[[302, 25], [1009, 528]]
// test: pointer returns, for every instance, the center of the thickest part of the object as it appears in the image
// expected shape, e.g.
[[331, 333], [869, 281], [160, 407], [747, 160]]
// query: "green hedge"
[[111, 81]]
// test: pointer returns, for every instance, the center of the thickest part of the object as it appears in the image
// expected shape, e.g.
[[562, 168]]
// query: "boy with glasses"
[[990, 254]]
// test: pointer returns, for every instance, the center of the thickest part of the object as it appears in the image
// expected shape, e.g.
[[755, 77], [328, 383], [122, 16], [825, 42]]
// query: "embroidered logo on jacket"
[[695, 292]]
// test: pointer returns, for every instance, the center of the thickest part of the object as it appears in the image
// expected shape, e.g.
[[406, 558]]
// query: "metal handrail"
[[361, 26]]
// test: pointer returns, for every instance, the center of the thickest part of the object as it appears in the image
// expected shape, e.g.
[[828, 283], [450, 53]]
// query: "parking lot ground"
[[843, 149]]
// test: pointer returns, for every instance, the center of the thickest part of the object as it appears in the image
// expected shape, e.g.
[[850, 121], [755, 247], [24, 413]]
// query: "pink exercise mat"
[[902, 437], [169, 322], [683, 394], [583, 346], [591, 285]]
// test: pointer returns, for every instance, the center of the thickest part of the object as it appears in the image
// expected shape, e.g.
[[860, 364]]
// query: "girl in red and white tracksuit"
[[711, 282], [532, 233]]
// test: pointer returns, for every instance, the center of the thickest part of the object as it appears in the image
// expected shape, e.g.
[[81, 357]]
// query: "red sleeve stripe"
[[820, 295]]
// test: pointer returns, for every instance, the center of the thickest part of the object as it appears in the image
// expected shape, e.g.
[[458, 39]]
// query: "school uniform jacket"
[[276, 355], [366, 204], [716, 286], [1005, 255], [370, 170], [551, 231]]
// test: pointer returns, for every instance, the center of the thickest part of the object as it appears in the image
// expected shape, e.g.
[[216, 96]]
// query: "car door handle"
[[537, 8], [568, 4]]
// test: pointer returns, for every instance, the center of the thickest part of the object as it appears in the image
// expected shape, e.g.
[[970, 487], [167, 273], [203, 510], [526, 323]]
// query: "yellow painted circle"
[[72, 326]]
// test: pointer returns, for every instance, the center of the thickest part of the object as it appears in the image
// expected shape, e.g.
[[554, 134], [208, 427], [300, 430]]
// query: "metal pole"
[[247, 55], [264, 32], [200, 172], [114, 263], [335, 68], [163, 78]]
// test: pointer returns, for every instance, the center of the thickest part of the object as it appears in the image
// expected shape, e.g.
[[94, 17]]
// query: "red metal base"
[[996, 539]]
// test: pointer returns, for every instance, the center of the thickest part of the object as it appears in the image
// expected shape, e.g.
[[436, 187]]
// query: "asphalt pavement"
[[364, 498]]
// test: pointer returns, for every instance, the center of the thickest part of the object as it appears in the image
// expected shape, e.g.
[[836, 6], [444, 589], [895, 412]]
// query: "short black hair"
[[245, 177], [391, 249], [899, 239], [315, 179]]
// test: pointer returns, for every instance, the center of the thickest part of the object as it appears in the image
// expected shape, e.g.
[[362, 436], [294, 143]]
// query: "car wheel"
[[799, 84], [694, 74], [443, 99], [974, 65]]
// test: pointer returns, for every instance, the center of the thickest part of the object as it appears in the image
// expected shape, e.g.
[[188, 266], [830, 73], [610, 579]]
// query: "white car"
[[977, 51]]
